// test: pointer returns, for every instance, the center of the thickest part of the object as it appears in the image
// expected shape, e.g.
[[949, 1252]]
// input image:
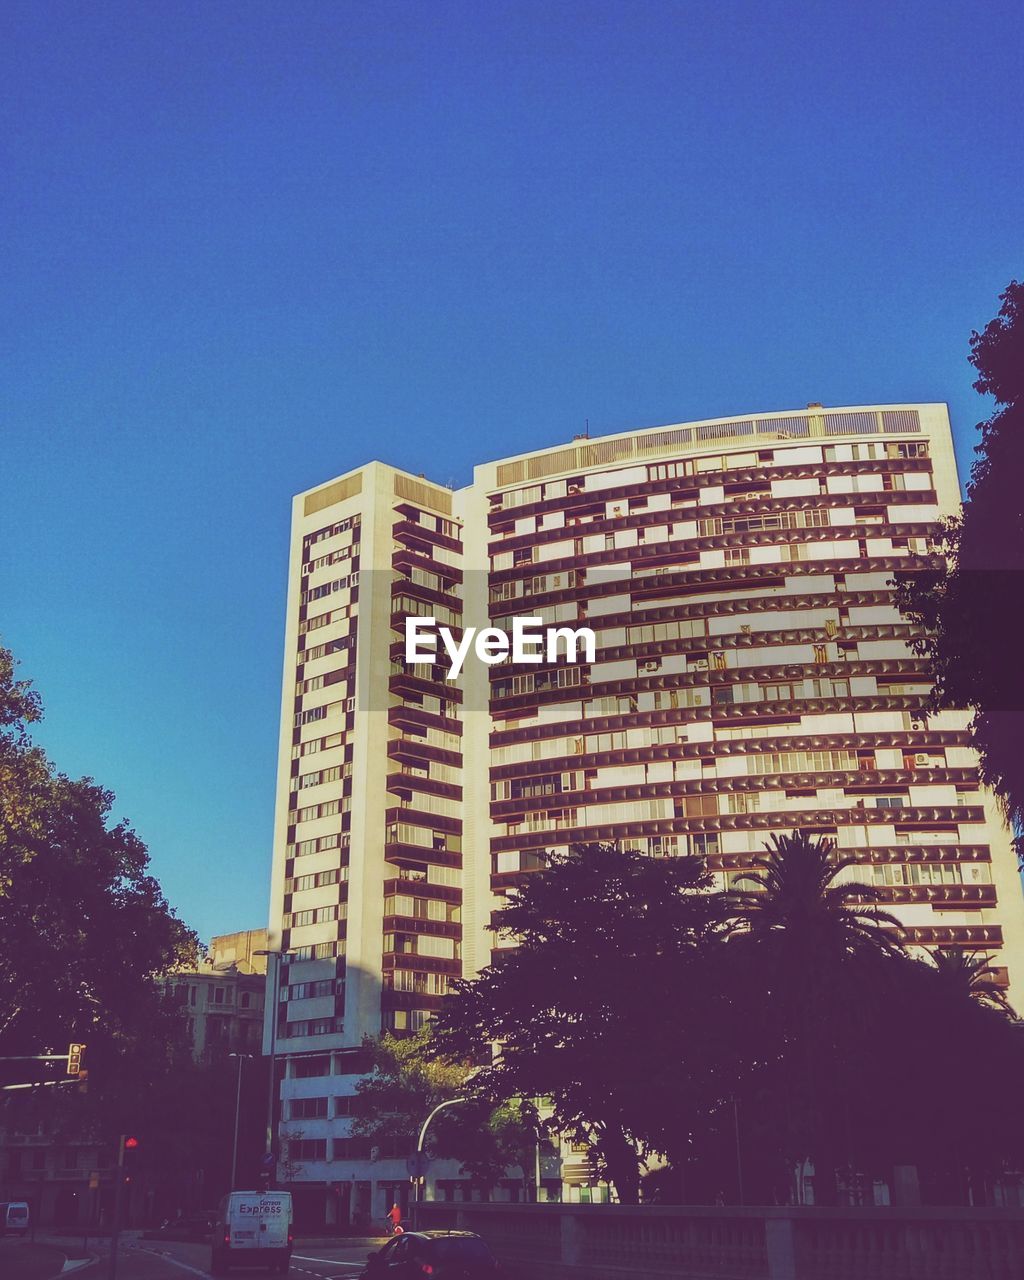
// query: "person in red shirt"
[[395, 1217]]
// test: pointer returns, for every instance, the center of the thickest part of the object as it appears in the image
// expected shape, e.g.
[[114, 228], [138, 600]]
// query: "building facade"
[[223, 997], [752, 675]]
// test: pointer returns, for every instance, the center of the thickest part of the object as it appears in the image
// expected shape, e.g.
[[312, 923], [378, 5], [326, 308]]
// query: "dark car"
[[442, 1255]]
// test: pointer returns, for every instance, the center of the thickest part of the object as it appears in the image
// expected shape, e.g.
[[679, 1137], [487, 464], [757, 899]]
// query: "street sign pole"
[[115, 1226]]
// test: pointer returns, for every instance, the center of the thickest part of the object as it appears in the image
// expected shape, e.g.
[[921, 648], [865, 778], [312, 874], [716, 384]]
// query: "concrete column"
[[572, 1237], [778, 1239]]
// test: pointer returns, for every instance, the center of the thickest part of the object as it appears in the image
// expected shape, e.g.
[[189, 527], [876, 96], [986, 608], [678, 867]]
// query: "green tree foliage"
[[407, 1079], [970, 605], [24, 772], [404, 1083]]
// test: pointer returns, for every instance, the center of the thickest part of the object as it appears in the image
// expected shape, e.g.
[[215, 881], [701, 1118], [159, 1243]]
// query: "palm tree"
[[823, 955], [967, 975], [798, 898]]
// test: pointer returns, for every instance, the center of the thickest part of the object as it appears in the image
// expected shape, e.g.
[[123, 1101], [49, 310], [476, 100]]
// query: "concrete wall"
[[594, 1242]]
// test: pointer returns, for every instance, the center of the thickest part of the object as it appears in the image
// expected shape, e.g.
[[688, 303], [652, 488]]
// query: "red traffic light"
[[130, 1144]]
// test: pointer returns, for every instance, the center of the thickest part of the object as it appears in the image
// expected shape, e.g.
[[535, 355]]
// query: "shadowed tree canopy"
[[799, 897], [972, 606], [584, 1007], [86, 928], [87, 934], [777, 1023]]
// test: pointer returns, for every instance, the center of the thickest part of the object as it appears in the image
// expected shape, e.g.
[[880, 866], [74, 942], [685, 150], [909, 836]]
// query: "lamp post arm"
[[451, 1102]]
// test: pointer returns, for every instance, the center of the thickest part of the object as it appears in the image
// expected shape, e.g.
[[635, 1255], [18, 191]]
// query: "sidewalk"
[[22, 1260]]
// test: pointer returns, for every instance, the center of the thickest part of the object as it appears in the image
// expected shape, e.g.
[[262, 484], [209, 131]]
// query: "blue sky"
[[246, 246]]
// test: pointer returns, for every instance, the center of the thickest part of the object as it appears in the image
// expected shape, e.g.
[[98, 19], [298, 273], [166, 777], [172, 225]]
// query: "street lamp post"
[[421, 1178], [276, 995], [238, 1113]]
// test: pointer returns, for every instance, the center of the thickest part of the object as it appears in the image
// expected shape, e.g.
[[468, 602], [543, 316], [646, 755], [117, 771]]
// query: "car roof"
[[444, 1235]]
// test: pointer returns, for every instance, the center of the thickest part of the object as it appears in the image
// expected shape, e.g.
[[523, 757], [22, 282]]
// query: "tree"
[[408, 1078], [593, 987], [801, 900], [967, 975], [24, 771], [86, 929], [404, 1084], [87, 934], [809, 946], [970, 603], [849, 1046]]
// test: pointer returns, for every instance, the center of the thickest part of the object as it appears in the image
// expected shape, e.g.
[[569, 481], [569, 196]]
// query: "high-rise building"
[[752, 675]]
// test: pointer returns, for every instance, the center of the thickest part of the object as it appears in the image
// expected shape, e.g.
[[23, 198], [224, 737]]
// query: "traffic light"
[[82, 1085], [128, 1155], [76, 1052]]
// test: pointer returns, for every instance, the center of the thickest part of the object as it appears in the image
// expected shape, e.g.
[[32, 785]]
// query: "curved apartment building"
[[751, 675]]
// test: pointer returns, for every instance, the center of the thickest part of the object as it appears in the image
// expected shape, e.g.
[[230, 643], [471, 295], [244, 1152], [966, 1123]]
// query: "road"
[[169, 1260]]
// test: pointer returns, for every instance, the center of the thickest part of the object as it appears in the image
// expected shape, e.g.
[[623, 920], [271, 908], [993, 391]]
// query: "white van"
[[253, 1228], [13, 1217]]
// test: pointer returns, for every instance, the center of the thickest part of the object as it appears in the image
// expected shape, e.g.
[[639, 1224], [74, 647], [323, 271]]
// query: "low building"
[[223, 996]]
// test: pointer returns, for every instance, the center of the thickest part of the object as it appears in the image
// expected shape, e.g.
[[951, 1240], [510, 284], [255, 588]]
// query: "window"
[[704, 844], [890, 802], [311, 990], [908, 449], [305, 1068], [334, 841], [319, 879], [421, 908], [353, 1149], [664, 846], [412, 980], [406, 1019], [670, 470], [326, 810], [314, 1027], [307, 1149], [316, 915], [307, 1108]]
